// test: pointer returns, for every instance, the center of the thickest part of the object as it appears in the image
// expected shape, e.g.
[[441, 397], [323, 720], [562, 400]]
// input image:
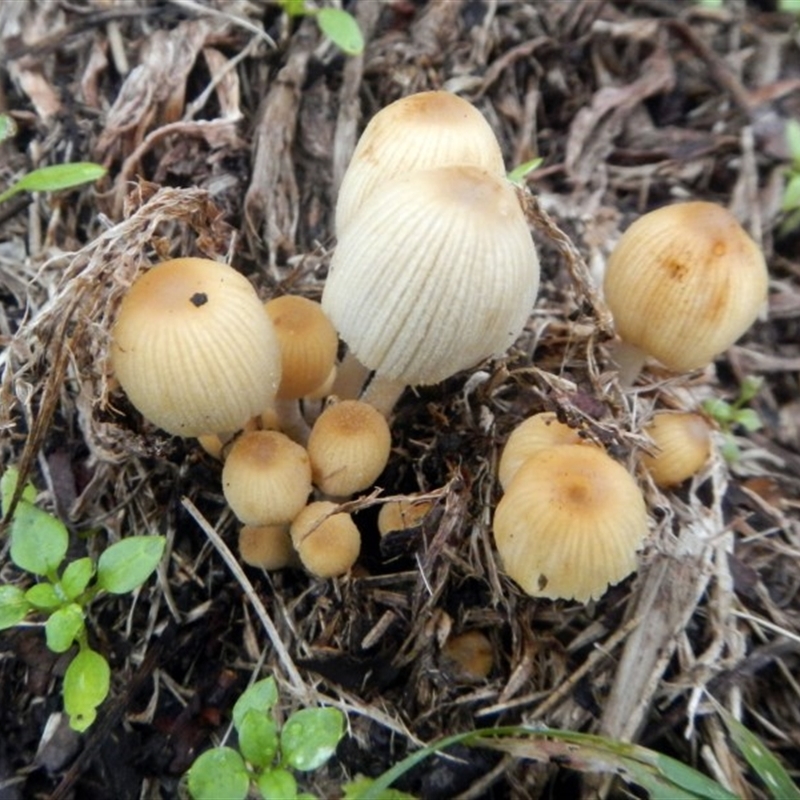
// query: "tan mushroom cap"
[[437, 273], [308, 343], [266, 478], [570, 523], [532, 435], [421, 131], [400, 515], [684, 283], [468, 656], [683, 445], [349, 447], [266, 546], [328, 544], [193, 349]]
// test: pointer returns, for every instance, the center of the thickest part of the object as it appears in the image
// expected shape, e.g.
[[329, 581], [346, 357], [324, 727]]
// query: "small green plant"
[[729, 416], [790, 204], [789, 6], [518, 174], [266, 755], [48, 179], [63, 592], [338, 25]]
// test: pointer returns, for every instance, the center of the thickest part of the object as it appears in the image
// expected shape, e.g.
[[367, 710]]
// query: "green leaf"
[[44, 596], [791, 193], [219, 774], [750, 387], [128, 564], [310, 736], [38, 540], [748, 419], [258, 738], [730, 450], [86, 683], [55, 177], [261, 697], [8, 127], [13, 606], [277, 784], [719, 410], [8, 485], [342, 29], [76, 577], [769, 769], [294, 8], [63, 626], [518, 174], [793, 129]]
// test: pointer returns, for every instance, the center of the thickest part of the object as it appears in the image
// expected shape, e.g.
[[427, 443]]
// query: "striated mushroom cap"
[[194, 350], [421, 131], [437, 273], [683, 445], [684, 283], [570, 523]]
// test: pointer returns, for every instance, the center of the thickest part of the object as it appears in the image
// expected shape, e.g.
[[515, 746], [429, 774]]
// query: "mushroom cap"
[[468, 656], [532, 435], [402, 514], [683, 444], [570, 523], [193, 349], [266, 546], [437, 273], [266, 478], [684, 283], [328, 544], [308, 343], [424, 130], [349, 447]]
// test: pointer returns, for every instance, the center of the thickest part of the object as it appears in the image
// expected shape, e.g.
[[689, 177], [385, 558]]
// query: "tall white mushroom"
[[437, 272]]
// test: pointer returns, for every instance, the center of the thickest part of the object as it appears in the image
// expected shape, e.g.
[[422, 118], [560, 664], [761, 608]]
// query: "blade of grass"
[[55, 177]]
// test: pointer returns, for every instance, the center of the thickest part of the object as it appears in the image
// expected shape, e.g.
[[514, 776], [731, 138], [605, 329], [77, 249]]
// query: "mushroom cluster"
[[571, 519], [435, 269]]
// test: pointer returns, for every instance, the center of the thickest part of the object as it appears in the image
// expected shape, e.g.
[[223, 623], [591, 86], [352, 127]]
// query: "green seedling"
[[267, 756], [518, 175], [63, 592], [338, 25], [730, 416], [790, 204], [48, 179], [789, 6]]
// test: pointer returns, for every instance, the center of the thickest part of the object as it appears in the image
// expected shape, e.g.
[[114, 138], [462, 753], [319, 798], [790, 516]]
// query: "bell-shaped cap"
[[328, 543], [684, 283], [193, 349], [570, 523], [421, 131], [682, 446], [437, 272]]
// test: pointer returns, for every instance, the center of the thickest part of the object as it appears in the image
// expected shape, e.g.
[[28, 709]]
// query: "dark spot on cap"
[[198, 299], [542, 582]]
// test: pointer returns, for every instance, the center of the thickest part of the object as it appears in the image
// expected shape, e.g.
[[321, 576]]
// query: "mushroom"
[[530, 437], [424, 130], [193, 349], [266, 546], [266, 478], [436, 273], [348, 447], [683, 444], [468, 657], [403, 514], [683, 284], [308, 344], [327, 542], [570, 523]]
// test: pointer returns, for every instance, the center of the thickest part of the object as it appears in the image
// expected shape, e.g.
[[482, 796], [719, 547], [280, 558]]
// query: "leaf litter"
[[226, 130]]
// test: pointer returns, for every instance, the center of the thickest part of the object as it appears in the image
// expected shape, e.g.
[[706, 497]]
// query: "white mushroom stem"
[[383, 393], [351, 376], [630, 360]]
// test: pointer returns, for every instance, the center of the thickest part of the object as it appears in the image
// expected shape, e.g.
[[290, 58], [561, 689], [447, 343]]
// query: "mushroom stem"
[[382, 394], [630, 360], [291, 420], [350, 378]]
